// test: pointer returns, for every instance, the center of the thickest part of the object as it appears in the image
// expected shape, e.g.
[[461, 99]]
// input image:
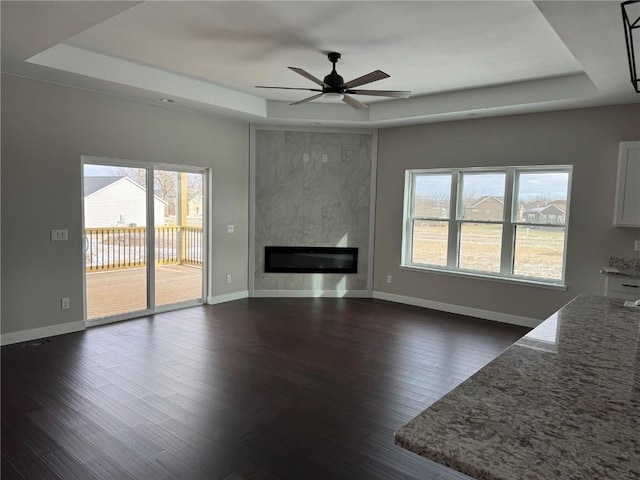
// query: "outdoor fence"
[[112, 248]]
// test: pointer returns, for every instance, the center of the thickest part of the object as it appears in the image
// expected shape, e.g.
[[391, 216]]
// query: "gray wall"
[[45, 130], [587, 139], [312, 204]]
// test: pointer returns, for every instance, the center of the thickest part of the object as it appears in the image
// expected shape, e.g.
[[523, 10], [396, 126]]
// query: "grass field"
[[538, 251]]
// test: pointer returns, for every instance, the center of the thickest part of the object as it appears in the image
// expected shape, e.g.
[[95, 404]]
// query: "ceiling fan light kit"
[[631, 21], [333, 97], [334, 87]]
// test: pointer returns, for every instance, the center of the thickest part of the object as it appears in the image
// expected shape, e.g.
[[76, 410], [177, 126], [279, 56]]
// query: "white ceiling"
[[459, 58]]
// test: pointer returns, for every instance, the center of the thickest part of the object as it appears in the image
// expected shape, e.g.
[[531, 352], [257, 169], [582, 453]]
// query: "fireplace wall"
[[302, 199]]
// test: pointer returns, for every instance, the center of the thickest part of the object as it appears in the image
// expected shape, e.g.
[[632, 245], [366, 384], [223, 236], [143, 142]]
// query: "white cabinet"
[[627, 288], [627, 210]]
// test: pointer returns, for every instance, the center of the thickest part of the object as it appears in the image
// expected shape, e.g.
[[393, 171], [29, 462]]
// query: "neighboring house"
[[194, 206], [487, 207], [118, 202], [551, 213]]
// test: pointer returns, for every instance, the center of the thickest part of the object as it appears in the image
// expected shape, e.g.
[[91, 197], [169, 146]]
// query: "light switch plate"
[[59, 235], [229, 228]]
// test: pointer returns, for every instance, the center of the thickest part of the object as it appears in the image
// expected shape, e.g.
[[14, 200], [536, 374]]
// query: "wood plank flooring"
[[256, 389]]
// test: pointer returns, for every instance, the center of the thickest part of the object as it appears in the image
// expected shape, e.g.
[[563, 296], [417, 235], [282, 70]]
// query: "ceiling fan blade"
[[368, 78], [307, 75], [381, 93], [352, 102], [292, 88], [308, 99]]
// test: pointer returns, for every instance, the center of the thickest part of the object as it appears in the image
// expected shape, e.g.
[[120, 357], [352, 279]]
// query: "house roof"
[[476, 202], [543, 208], [93, 184]]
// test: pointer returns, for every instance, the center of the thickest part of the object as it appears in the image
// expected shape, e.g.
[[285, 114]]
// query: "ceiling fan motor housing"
[[334, 80]]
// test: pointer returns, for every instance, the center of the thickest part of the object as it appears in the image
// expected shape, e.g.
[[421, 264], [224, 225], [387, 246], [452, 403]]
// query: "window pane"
[[430, 242], [480, 247], [432, 195], [539, 252], [542, 198], [482, 197]]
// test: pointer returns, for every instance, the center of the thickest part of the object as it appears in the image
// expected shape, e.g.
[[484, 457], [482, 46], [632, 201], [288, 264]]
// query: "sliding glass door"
[[115, 221], [144, 239], [178, 239]]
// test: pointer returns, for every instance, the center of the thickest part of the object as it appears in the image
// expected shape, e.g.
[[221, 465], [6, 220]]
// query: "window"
[[492, 222]]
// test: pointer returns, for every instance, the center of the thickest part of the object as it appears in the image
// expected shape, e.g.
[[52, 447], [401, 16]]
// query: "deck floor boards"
[[114, 292]]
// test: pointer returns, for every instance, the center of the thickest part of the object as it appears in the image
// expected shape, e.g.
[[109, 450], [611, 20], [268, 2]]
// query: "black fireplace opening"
[[311, 259]]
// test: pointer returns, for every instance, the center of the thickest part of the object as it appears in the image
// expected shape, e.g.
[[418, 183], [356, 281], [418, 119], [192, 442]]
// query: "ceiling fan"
[[335, 86]]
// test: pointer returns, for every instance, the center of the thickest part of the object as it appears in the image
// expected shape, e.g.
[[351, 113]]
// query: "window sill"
[[484, 276]]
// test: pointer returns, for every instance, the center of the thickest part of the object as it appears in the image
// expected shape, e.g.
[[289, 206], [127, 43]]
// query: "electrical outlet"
[[389, 278], [228, 278], [305, 158], [325, 158], [64, 303], [229, 228], [637, 246]]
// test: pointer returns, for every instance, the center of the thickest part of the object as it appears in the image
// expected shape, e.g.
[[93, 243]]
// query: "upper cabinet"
[[627, 211]]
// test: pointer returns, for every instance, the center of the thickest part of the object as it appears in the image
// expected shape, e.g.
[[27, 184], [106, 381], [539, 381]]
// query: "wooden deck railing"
[[112, 248]]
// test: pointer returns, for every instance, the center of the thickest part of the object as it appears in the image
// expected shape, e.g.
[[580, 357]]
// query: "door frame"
[[150, 239]]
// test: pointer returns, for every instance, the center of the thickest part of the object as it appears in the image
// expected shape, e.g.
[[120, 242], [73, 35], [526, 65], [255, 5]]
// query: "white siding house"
[[118, 202]]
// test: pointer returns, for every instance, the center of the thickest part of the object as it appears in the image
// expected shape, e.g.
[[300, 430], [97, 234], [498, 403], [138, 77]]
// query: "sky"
[[550, 185], [98, 170]]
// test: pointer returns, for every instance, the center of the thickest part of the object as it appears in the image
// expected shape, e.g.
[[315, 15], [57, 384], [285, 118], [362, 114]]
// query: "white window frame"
[[509, 223]]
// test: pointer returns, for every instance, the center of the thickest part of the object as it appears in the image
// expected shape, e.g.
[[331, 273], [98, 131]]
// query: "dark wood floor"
[[258, 389]]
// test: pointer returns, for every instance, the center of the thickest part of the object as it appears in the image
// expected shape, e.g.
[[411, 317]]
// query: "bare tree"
[[194, 185], [138, 175], [165, 185]]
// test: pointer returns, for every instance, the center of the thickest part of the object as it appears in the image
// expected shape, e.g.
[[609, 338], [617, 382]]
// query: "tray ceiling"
[[458, 58]]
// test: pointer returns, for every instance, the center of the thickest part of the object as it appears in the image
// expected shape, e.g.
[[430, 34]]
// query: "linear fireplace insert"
[[311, 259]]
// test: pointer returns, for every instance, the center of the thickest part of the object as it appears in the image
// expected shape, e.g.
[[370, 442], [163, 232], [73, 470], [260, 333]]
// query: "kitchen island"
[[561, 403]]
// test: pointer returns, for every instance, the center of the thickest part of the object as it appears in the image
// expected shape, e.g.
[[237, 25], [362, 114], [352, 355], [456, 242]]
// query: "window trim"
[[509, 224]]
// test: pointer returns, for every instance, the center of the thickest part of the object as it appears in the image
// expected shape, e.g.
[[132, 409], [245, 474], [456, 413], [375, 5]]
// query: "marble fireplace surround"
[[312, 189]]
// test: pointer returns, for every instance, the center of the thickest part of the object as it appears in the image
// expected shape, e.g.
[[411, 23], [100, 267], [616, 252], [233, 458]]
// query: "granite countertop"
[[622, 273], [561, 403], [627, 266]]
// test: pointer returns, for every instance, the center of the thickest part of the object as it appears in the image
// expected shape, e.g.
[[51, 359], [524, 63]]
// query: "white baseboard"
[[459, 309], [227, 297], [311, 293], [42, 332]]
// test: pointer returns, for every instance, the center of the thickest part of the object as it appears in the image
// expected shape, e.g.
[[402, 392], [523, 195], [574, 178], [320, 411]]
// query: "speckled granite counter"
[[561, 403], [627, 266]]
